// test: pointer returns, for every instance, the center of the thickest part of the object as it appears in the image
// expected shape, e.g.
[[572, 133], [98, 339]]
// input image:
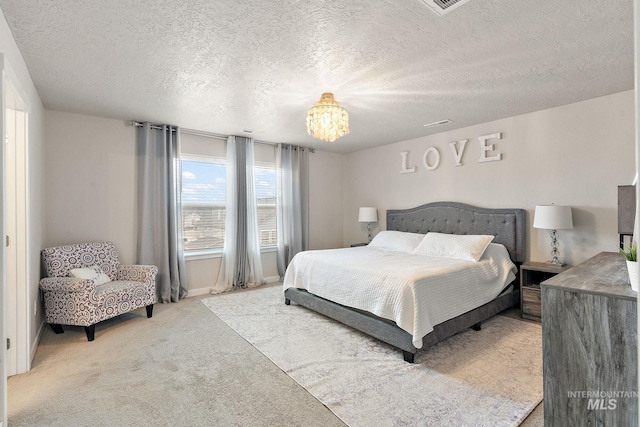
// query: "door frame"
[[17, 321]]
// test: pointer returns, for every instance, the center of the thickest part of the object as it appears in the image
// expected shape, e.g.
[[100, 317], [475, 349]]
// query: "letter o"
[[436, 155]]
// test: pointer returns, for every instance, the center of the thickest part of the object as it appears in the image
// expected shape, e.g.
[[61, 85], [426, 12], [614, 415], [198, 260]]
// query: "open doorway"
[[16, 318]]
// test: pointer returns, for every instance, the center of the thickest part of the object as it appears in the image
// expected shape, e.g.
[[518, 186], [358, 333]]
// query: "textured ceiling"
[[226, 66]]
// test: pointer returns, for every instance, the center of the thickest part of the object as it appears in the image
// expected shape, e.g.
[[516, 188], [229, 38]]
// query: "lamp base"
[[554, 250]]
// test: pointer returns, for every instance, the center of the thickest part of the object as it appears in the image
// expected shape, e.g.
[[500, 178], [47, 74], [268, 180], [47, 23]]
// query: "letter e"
[[484, 148]]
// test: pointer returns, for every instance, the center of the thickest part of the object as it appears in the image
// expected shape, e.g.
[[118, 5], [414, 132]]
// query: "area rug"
[[491, 377]]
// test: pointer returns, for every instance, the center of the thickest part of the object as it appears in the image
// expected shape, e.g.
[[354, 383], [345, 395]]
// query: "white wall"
[[576, 155], [573, 155], [16, 69], [91, 190], [326, 183], [91, 182]]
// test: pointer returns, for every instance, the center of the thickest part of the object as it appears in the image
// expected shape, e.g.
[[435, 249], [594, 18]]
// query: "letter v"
[[457, 153]]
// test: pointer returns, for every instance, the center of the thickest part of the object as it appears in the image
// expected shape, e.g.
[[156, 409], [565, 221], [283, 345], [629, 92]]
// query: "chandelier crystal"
[[327, 120]]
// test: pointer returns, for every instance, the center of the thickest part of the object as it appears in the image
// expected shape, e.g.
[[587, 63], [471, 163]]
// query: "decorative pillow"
[[94, 273], [469, 247], [396, 241]]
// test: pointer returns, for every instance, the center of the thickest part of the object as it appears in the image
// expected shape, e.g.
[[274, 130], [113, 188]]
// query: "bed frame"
[[507, 225]]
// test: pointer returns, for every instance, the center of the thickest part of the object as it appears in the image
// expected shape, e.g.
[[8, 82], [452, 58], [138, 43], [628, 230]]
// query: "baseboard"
[[206, 291], [198, 292], [36, 342]]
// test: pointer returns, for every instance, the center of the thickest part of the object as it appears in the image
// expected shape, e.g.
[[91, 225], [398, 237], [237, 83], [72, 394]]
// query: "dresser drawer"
[[531, 306]]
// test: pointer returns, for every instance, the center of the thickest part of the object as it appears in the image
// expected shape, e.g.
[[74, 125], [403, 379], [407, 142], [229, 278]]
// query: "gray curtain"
[[292, 202], [241, 262], [160, 209]]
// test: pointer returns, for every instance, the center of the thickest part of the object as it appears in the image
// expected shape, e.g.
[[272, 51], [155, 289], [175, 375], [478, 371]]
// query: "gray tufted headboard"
[[507, 225]]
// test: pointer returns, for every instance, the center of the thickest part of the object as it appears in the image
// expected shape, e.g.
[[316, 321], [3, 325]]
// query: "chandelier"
[[327, 120]]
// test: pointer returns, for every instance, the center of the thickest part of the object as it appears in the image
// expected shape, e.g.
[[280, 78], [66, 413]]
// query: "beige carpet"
[[487, 378], [182, 367]]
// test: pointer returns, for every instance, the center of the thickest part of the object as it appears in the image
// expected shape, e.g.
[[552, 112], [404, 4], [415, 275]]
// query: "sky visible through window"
[[204, 182]]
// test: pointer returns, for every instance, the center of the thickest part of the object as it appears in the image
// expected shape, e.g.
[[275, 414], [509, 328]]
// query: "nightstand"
[[531, 275]]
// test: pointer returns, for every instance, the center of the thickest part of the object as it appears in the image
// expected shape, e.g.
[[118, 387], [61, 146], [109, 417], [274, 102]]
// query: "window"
[[203, 202], [265, 178]]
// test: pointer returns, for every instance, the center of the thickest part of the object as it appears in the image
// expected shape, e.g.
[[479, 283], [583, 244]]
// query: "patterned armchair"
[[101, 289]]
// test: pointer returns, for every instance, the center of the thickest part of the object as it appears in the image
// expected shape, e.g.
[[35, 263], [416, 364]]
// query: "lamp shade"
[[552, 217], [368, 214]]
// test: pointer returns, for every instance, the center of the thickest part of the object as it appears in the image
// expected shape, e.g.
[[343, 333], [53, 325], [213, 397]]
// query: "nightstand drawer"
[[531, 275], [531, 306]]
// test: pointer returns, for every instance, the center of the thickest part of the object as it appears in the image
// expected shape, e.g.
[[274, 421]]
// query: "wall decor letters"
[[405, 163], [484, 147], [431, 156], [436, 157], [457, 154]]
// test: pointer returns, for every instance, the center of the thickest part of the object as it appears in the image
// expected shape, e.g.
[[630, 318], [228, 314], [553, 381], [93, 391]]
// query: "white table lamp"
[[554, 218], [368, 215]]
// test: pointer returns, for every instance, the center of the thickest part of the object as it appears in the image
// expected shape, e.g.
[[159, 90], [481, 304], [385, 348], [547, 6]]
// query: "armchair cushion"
[[93, 273]]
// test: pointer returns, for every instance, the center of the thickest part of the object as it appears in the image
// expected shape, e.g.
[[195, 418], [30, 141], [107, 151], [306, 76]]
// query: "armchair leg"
[[149, 310], [57, 328], [90, 331]]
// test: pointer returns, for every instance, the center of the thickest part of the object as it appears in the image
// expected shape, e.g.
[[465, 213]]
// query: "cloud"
[[200, 186], [188, 175]]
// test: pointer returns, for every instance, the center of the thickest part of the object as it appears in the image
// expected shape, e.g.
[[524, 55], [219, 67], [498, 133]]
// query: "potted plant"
[[630, 253]]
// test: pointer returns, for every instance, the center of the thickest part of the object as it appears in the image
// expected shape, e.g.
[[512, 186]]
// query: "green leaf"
[[630, 252]]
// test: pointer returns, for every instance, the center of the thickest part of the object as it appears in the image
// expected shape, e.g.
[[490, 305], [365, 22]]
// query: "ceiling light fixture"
[[327, 120]]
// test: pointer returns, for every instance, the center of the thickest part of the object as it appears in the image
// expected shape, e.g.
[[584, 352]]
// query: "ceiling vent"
[[440, 7], [438, 123]]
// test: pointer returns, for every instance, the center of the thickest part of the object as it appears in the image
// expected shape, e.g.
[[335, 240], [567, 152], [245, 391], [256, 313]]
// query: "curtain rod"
[[207, 134]]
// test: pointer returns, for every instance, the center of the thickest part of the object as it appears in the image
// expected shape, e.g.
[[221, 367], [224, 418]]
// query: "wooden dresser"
[[589, 343]]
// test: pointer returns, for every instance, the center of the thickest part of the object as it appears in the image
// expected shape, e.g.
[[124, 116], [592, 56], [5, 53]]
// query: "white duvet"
[[417, 292]]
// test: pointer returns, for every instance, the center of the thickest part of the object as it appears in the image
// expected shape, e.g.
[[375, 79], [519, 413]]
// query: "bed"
[[445, 218]]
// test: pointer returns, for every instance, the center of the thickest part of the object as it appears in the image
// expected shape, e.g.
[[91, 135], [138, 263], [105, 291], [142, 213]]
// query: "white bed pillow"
[[94, 273], [396, 241], [468, 247]]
